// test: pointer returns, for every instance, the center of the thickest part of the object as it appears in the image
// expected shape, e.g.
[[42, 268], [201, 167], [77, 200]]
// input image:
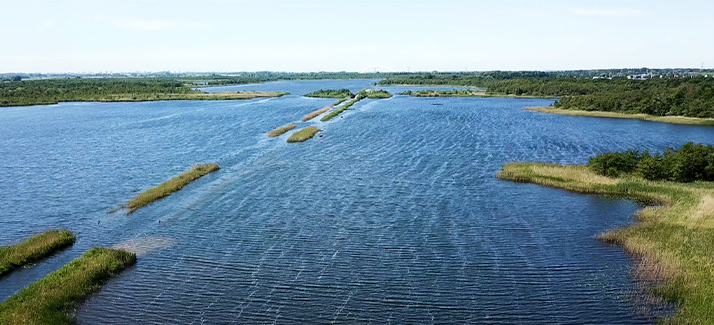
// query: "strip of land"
[[167, 188], [304, 134], [316, 113], [643, 117], [279, 131], [341, 109], [463, 93], [53, 299], [674, 240], [34, 249]]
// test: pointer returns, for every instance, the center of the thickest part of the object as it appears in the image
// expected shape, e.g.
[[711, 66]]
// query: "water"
[[392, 214]]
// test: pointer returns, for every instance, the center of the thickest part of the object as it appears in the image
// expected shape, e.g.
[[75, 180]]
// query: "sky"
[[335, 35]]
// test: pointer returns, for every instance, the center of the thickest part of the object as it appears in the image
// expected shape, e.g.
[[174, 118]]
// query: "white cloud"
[[607, 12]]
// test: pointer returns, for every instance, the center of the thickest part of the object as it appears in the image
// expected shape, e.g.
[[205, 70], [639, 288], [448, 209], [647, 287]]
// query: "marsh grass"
[[279, 131], [314, 114], [167, 188], [53, 299], [674, 240], [342, 108], [34, 249], [644, 117], [304, 134]]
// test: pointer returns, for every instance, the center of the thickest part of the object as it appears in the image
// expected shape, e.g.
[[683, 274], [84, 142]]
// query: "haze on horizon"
[[320, 35]]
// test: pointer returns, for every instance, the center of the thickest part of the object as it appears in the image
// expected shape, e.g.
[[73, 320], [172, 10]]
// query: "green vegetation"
[[53, 299], [377, 94], [53, 91], [688, 164], [643, 117], [690, 97], [314, 114], [304, 134], [330, 93], [673, 240], [34, 249], [279, 131], [167, 188], [342, 108]]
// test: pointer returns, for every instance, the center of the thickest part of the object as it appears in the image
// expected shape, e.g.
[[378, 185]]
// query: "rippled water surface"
[[391, 214]]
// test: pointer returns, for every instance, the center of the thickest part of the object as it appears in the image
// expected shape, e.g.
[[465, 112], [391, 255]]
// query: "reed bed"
[[341, 109], [644, 117], [167, 188], [317, 112], [674, 239], [279, 131], [33, 249], [304, 134], [53, 299]]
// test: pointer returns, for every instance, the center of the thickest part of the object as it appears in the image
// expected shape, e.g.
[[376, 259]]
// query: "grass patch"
[[167, 188], [377, 94], [34, 249], [304, 134], [322, 110], [279, 131], [675, 239], [53, 299], [643, 117], [341, 109], [331, 93]]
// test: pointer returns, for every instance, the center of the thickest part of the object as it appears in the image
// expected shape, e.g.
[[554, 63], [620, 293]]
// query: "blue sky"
[[317, 35]]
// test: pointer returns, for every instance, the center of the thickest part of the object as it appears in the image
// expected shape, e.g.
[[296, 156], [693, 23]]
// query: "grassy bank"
[[463, 93], [341, 109], [33, 249], [674, 240], [279, 131], [331, 93], [643, 117], [53, 299], [304, 134], [167, 188]]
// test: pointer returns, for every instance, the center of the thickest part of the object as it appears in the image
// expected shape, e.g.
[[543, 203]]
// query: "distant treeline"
[[689, 163], [691, 96], [331, 93]]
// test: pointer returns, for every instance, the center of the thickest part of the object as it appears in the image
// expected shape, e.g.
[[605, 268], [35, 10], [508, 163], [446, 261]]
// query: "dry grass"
[[279, 131], [304, 134], [53, 299], [673, 241], [643, 117], [167, 188], [317, 113], [33, 249]]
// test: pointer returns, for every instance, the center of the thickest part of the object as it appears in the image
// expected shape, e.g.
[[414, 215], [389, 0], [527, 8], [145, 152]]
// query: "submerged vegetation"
[[167, 188], [304, 134], [330, 93], [53, 299], [279, 131], [673, 240], [34, 249]]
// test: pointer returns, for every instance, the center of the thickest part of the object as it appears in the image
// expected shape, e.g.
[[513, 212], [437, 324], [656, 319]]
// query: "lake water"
[[392, 214]]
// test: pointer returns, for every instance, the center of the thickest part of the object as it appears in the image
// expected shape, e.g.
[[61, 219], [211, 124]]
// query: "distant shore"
[[644, 117]]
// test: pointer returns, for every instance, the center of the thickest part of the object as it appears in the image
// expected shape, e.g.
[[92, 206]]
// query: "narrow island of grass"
[[279, 131], [53, 299], [316, 113], [167, 188], [674, 239], [342, 108], [304, 134], [33, 249], [331, 93], [637, 116]]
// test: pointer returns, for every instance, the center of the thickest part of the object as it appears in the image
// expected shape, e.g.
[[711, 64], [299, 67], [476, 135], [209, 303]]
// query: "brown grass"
[[643, 117], [279, 131], [317, 113], [304, 134]]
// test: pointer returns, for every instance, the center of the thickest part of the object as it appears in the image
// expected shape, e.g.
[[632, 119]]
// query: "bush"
[[614, 164]]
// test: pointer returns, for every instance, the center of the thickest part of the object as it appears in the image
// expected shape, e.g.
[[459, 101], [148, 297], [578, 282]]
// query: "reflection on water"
[[393, 215]]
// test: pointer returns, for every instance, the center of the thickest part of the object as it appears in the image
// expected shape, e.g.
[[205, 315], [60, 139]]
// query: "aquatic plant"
[[304, 134], [167, 188], [672, 241], [53, 299], [34, 249], [279, 131]]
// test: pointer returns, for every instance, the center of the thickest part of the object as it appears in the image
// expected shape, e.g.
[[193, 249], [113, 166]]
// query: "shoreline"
[[671, 240], [683, 120]]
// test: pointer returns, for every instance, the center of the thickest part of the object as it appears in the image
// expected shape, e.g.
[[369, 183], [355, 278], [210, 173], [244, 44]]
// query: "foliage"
[[34, 249], [378, 94], [330, 93], [688, 164], [304, 134], [169, 187], [361, 95], [52, 299], [279, 131]]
